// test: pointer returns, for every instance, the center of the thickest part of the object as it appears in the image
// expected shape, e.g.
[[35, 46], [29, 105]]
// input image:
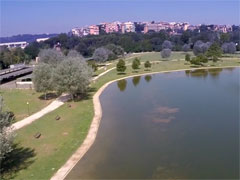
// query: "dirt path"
[[92, 133]]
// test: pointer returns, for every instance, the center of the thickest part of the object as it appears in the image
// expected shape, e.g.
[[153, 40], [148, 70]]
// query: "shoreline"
[[93, 129]]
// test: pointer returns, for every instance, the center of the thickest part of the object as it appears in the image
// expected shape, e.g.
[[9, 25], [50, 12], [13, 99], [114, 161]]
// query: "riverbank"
[[89, 140], [60, 139]]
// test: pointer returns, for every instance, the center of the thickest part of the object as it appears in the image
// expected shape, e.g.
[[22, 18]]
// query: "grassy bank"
[[60, 139], [16, 101]]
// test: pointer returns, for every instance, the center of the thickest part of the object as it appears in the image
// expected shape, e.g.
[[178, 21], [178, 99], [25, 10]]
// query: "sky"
[[56, 16]]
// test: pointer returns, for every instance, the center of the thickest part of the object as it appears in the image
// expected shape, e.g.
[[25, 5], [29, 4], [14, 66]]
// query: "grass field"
[[15, 100], [61, 138]]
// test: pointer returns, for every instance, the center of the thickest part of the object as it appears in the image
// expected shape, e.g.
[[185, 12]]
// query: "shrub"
[[187, 57], [147, 64]]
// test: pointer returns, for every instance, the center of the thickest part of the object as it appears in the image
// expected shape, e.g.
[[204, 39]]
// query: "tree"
[[42, 78], [165, 53], [93, 64], [135, 64], [50, 56], [117, 50], [121, 67], [147, 64], [6, 134], [137, 60], [167, 45], [229, 48], [200, 47], [101, 54], [72, 76], [186, 47], [214, 52], [74, 53], [187, 57]]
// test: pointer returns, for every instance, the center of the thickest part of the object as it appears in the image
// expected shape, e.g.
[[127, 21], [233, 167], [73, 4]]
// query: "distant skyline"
[[56, 16]]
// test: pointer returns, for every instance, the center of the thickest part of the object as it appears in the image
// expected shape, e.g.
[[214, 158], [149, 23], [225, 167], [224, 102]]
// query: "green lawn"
[[61, 138], [16, 101]]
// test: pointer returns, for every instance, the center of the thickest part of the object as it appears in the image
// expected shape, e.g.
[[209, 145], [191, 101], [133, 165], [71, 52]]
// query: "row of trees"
[[61, 73], [12, 56], [121, 66]]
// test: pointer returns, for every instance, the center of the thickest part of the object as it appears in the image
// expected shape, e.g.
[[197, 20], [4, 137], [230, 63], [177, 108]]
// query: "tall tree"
[[121, 67], [214, 52], [72, 76], [50, 56], [6, 134], [43, 78]]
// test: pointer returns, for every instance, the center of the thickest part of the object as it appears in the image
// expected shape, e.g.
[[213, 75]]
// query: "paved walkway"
[[51, 107]]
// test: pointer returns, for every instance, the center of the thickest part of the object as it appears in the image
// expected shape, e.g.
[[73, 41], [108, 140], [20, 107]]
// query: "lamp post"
[[28, 108]]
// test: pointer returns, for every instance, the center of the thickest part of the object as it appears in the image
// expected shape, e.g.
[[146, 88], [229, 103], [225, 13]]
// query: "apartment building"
[[156, 27], [112, 27], [94, 30]]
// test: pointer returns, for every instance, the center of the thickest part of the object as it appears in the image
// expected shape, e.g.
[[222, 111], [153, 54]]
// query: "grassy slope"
[[16, 101], [61, 138]]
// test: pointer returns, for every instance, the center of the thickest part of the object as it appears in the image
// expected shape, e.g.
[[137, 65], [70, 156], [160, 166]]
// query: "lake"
[[179, 125]]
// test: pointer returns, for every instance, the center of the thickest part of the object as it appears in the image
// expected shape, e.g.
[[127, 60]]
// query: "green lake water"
[[179, 125]]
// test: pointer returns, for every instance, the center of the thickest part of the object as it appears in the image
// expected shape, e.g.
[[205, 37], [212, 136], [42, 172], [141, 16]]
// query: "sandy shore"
[[92, 133]]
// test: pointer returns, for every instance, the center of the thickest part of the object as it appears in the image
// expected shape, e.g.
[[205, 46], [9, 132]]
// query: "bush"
[[199, 60], [187, 57], [147, 64], [165, 53]]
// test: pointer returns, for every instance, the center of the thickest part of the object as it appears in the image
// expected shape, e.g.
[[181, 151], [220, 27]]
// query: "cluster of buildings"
[[145, 27], [113, 27]]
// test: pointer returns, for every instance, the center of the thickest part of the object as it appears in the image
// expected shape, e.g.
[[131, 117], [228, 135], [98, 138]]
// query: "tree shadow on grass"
[[84, 96], [121, 73], [18, 159], [49, 96]]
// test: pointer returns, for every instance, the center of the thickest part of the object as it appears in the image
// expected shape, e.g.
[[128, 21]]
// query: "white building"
[[41, 39], [22, 44], [128, 27]]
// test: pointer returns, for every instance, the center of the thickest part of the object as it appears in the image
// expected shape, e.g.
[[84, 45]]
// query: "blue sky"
[[55, 16]]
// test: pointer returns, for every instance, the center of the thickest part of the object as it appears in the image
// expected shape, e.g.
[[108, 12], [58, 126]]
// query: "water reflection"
[[122, 84], [215, 72], [148, 78], [136, 80]]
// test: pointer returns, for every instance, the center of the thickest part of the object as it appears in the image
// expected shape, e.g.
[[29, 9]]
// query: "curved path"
[[92, 133]]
